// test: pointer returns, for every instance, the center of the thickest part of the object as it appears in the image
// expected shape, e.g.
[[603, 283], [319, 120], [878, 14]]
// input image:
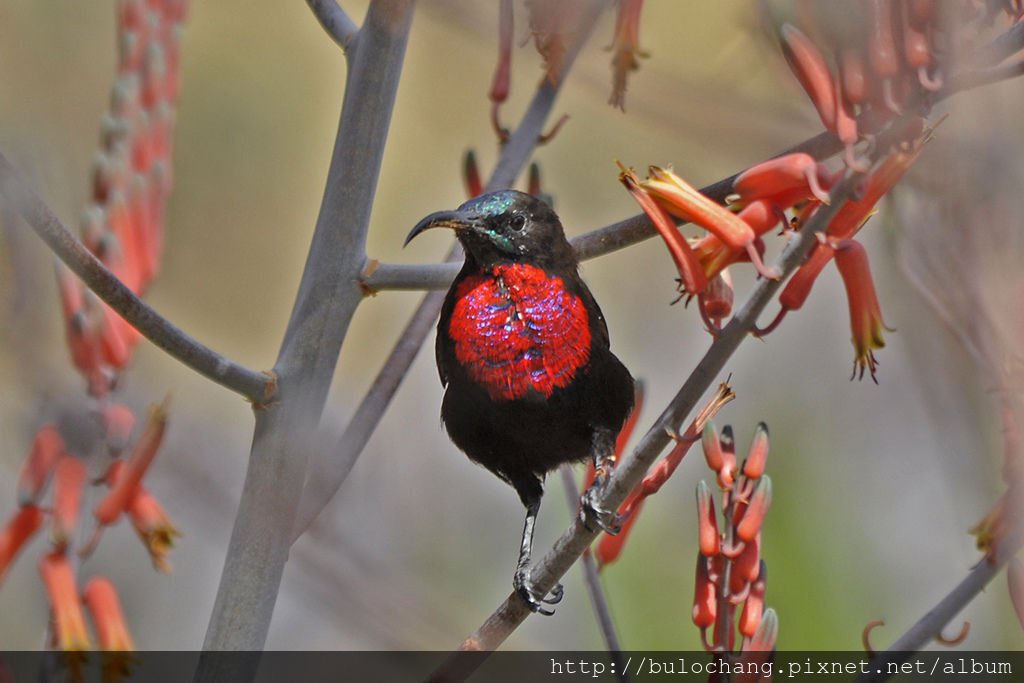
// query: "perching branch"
[[338, 25], [328, 296], [256, 386], [330, 472], [592, 577]]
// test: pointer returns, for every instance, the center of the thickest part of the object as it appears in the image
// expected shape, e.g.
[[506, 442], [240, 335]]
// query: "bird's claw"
[[591, 513], [529, 593]]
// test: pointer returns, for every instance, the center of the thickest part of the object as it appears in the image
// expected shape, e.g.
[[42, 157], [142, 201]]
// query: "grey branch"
[[328, 296], [256, 386], [338, 25]]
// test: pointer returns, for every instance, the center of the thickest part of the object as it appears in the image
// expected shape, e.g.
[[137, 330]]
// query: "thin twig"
[[328, 296], [256, 386], [931, 624], [329, 472], [338, 25], [592, 578]]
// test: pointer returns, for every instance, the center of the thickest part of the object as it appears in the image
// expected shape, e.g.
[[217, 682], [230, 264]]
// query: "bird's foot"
[[593, 515], [533, 598]]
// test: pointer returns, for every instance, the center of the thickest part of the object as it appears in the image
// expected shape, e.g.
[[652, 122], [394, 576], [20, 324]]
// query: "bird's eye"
[[517, 222]]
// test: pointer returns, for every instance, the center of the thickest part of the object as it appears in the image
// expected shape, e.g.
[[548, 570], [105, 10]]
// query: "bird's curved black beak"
[[455, 220]]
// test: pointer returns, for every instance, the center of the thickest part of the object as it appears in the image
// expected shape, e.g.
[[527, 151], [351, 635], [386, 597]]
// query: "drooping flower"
[[626, 49], [70, 634], [866, 322], [19, 530], [101, 599]]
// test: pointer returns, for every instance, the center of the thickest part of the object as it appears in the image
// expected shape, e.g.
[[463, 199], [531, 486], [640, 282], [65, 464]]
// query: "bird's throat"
[[518, 331]]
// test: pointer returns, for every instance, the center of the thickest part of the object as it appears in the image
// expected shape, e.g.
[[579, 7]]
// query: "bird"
[[522, 350]]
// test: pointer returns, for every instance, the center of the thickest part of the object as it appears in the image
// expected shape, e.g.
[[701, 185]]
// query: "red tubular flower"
[[705, 603], [866, 322], [707, 524], [691, 275], [80, 331], [47, 449], [69, 630], [124, 487], [471, 174], [153, 526], [101, 599], [16, 534], [757, 457], [626, 48], [68, 483], [765, 636], [753, 610], [811, 70], [757, 508]]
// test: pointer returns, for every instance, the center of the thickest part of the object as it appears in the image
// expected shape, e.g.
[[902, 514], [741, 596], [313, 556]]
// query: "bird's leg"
[[603, 452], [521, 579]]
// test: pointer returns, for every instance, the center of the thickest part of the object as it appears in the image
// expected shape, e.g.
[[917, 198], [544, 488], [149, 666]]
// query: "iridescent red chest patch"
[[517, 330]]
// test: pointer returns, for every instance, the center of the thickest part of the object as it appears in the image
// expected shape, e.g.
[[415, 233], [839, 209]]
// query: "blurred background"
[[875, 487]]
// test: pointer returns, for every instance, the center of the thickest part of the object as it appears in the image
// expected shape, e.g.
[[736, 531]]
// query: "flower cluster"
[[730, 570], [762, 196], [52, 471], [123, 226], [863, 63]]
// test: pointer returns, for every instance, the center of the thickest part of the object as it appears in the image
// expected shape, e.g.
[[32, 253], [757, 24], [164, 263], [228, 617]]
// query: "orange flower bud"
[[626, 49], [866, 322], [782, 176], [809, 66], [155, 528], [707, 523], [757, 508], [100, 598], [16, 534], [765, 635], [705, 603], [471, 175], [47, 448], [745, 566], [852, 70], [882, 55], [68, 620], [68, 482], [727, 473], [753, 466], [712, 446], [123, 488], [753, 610], [502, 72], [121, 224], [691, 275]]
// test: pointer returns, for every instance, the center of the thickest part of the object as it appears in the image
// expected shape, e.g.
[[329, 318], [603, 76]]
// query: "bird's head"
[[505, 226]]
